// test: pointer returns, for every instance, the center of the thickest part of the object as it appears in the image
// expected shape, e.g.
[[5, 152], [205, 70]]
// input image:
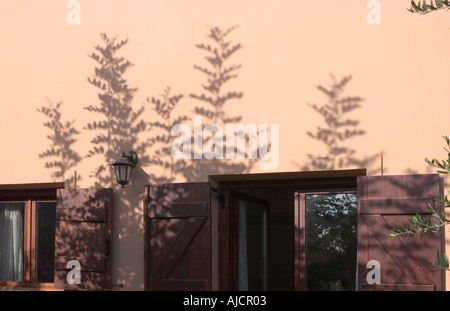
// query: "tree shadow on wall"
[[117, 128], [119, 125], [162, 140], [337, 130], [211, 108], [60, 155], [212, 101]]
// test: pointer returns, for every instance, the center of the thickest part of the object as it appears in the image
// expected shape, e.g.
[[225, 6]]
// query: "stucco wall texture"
[[285, 51]]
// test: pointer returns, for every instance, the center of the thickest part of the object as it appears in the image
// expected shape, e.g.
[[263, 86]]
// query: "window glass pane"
[[331, 242], [11, 241], [252, 246], [45, 241]]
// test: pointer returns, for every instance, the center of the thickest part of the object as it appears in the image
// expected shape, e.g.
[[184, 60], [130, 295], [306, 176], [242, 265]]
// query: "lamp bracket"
[[133, 157]]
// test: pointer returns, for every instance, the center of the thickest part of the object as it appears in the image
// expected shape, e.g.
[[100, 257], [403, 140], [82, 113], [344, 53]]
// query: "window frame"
[[30, 194]]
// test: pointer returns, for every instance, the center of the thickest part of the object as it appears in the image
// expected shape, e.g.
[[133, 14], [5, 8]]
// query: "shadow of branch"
[[337, 129], [60, 156]]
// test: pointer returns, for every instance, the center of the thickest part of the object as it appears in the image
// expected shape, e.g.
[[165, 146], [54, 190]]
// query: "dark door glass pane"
[[331, 242], [252, 245], [45, 241]]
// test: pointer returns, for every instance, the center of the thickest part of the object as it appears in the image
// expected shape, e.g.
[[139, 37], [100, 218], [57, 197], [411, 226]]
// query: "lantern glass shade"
[[123, 168], [123, 173]]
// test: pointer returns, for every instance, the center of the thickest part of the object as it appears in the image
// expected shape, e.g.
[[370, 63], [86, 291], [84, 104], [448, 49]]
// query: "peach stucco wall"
[[398, 67]]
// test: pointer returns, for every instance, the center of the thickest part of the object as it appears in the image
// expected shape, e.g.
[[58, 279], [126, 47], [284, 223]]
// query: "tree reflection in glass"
[[331, 242]]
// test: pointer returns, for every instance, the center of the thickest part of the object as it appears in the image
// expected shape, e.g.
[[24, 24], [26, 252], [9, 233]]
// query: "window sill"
[[16, 286]]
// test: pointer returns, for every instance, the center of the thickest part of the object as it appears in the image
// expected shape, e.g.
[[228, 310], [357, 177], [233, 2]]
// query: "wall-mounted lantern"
[[124, 166]]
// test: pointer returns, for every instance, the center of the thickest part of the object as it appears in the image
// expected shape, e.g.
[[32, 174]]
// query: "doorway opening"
[[290, 234]]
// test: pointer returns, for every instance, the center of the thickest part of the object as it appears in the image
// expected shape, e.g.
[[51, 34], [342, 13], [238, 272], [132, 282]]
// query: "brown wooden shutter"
[[178, 237], [386, 201], [83, 233]]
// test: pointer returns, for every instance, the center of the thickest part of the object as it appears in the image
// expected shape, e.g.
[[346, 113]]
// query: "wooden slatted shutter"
[[178, 237], [83, 233], [386, 201]]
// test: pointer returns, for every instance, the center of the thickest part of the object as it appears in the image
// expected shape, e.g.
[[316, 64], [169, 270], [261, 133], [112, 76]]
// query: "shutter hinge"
[[219, 194], [148, 194], [106, 247]]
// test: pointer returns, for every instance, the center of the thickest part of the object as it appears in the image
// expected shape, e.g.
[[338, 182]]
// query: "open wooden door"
[[402, 263], [82, 239], [178, 237]]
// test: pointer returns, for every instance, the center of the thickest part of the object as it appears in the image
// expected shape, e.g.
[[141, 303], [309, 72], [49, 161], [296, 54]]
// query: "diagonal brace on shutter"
[[179, 245], [103, 254], [397, 250]]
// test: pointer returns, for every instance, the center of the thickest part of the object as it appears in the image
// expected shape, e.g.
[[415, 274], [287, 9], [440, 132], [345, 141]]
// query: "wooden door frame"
[[234, 235], [336, 180]]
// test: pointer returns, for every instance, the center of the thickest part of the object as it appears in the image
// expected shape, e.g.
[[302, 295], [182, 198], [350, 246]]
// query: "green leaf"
[[442, 262], [415, 6], [424, 8]]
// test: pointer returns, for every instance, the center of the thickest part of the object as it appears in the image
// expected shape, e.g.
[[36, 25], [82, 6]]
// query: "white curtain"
[[11, 241], [243, 268]]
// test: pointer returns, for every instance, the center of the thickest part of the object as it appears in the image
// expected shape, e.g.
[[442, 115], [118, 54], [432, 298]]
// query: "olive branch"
[[425, 225], [424, 8]]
